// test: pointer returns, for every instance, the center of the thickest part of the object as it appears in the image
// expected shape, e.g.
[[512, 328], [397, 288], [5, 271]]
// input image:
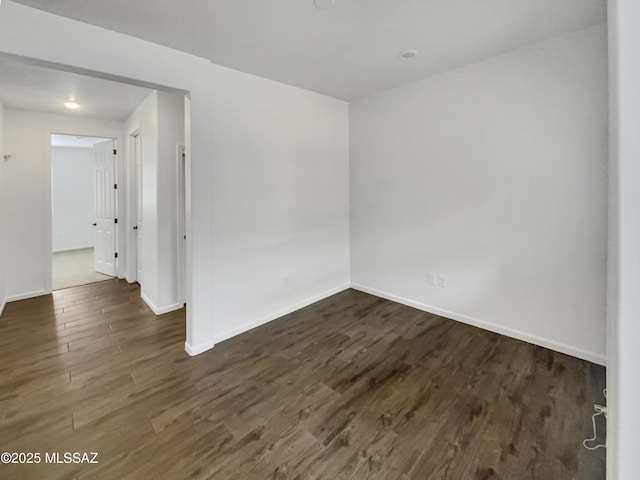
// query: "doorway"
[[84, 206], [105, 110]]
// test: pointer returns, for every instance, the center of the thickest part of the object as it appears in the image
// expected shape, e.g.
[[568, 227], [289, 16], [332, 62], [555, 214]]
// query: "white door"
[[105, 208], [138, 226]]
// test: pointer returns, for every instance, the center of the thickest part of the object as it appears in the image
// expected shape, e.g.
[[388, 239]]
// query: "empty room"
[[323, 239]]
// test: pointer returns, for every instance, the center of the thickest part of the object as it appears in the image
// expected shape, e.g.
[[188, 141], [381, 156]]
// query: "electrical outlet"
[[432, 278], [442, 281]]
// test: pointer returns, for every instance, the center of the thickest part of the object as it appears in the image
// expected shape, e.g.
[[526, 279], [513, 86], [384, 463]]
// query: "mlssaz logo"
[[71, 457]]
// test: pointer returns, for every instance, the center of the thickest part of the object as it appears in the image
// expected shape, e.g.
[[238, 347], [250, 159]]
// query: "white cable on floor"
[[600, 410]]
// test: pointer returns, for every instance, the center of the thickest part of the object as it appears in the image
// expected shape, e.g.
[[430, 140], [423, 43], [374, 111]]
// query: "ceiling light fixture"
[[71, 105], [324, 4], [409, 54]]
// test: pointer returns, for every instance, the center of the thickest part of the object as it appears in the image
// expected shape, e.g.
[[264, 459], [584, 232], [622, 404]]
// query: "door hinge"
[[115, 186], [116, 255], [115, 220], [115, 152]]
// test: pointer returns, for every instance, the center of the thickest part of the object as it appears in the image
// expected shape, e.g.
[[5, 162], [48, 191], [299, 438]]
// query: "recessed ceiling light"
[[71, 105], [409, 54], [324, 4]]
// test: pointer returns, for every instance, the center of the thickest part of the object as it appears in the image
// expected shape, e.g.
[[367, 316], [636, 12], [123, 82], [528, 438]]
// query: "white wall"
[[3, 214], [159, 121], [280, 200], [623, 355], [72, 199], [495, 176], [26, 181]]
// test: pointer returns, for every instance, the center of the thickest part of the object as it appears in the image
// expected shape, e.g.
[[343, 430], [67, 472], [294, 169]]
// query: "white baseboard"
[[72, 249], [160, 310], [2, 305], [198, 349], [492, 327], [24, 296], [277, 314]]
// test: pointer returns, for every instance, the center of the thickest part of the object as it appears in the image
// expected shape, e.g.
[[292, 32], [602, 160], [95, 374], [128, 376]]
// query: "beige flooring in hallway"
[[73, 268]]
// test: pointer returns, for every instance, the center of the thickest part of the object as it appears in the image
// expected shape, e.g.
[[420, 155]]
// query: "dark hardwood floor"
[[352, 387]]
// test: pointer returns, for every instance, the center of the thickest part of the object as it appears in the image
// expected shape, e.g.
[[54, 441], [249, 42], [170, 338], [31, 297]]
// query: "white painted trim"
[[48, 218], [198, 349], [245, 327], [74, 248], [181, 222], [131, 207], [160, 310], [2, 305], [24, 296], [485, 325]]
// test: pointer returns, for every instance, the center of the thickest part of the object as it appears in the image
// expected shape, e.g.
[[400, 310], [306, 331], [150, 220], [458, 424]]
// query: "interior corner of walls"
[[245, 327], [194, 350]]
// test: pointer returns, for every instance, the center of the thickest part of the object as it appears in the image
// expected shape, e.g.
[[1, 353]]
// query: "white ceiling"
[[40, 89], [347, 51], [75, 141]]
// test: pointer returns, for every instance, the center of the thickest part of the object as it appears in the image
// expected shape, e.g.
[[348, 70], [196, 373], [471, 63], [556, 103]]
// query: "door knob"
[[135, 227]]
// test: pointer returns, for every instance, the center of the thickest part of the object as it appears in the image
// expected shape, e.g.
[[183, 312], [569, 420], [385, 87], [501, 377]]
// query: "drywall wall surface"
[[623, 355], [280, 225], [3, 214], [26, 180], [495, 176], [73, 198]]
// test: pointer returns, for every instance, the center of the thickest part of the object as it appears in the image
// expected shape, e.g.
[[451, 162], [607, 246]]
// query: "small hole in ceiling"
[[409, 54]]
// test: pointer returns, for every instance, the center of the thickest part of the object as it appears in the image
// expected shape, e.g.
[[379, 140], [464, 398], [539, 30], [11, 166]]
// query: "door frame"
[[181, 189], [130, 235], [83, 131]]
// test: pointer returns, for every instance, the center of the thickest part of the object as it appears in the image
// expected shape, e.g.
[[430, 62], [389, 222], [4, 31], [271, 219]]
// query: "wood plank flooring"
[[352, 387]]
